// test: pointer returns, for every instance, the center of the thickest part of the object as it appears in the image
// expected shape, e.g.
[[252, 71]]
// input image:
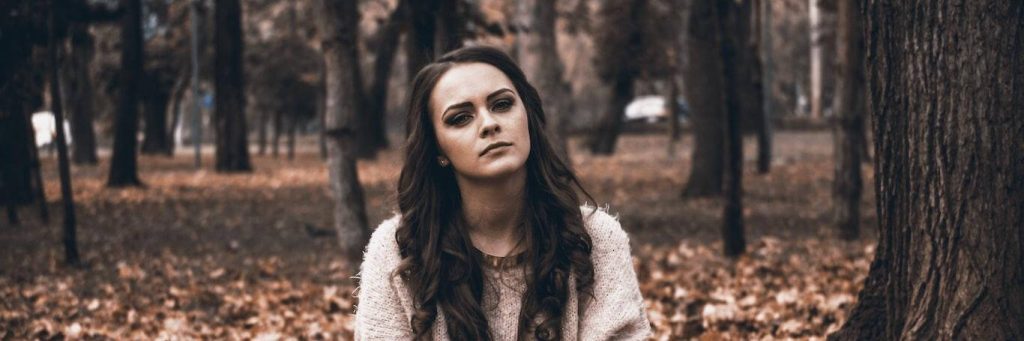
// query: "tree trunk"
[[79, 95], [123, 162], [339, 24], [730, 23], [374, 132], [174, 131], [261, 137], [232, 147], [292, 126], [450, 28], [946, 88], [606, 134], [846, 190], [278, 128], [64, 168], [155, 140], [705, 89], [419, 49], [815, 58], [752, 88], [765, 129], [547, 75]]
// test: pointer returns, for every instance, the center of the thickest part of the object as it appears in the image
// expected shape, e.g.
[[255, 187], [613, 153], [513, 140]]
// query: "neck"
[[494, 210]]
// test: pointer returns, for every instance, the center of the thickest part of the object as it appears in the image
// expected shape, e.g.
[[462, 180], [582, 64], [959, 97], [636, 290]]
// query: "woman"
[[490, 242]]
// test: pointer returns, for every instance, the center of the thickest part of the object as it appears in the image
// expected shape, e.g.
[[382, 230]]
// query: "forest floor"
[[198, 254]]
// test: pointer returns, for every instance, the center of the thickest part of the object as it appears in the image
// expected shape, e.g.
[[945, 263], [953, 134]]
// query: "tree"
[[79, 94], [546, 71], [816, 60], [846, 190], [338, 22], [232, 148], [764, 132], [730, 22], [67, 198], [123, 162], [946, 90], [634, 37], [705, 89]]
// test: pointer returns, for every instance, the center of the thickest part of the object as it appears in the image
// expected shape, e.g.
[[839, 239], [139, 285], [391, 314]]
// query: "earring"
[[442, 161]]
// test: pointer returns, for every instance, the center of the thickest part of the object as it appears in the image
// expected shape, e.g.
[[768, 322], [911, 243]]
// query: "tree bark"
[[374, 131], [846, 190], [946, 88], [64, 167], [765, 129], [178, 92], [547, 72], [815, 59], [155, 139], [705, 89], [606, 134], [419, 49], [232, 148], [730, 23], [450, 26], [339, 23], [123, 163], [79, 95]]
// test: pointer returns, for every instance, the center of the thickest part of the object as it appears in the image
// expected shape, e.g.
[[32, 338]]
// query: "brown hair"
[[438, 262]]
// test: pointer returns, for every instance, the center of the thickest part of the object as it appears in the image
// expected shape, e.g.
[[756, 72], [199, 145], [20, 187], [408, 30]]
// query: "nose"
[[489, 125]]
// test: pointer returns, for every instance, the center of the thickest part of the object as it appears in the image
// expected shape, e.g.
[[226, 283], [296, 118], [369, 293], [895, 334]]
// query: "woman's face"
[[480, 121]]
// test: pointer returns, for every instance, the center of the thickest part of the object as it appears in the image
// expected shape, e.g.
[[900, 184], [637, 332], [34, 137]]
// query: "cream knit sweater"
[[616, 312]]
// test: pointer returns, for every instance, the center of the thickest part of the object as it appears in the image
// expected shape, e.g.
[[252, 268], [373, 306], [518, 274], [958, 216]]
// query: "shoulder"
[[382, 250], [604, 229]]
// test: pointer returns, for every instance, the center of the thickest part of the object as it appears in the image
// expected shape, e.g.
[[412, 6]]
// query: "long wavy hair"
[[439, 263]]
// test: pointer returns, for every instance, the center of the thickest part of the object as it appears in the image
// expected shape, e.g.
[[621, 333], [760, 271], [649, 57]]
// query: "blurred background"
[[213, 168]]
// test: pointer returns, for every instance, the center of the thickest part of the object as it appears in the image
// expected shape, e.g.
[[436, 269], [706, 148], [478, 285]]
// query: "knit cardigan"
[[616, 312]]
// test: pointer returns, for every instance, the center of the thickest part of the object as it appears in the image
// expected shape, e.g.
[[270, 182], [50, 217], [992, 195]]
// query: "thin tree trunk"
[[261, 137], [846, 190], [232, 146], [547, 75], [278, 128], [291, 137], [174, 131], [450, 28], [80, 95], [705, 89], [64, 168], [339, 24], [123, 163], [730, 18], [946, 88], [765, 131], [815, 58]]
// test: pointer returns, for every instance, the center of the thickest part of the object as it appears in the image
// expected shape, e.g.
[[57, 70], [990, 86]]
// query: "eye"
[[458, 119], [502, 105]]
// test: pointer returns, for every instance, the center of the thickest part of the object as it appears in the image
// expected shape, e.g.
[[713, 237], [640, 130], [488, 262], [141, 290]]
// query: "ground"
[[198, 254]]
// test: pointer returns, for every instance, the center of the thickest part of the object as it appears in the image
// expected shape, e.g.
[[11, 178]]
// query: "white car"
[[651, 109], [45, 128]]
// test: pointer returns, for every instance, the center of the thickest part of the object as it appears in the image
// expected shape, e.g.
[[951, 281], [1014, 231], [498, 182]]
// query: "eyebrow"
[[468, 104]]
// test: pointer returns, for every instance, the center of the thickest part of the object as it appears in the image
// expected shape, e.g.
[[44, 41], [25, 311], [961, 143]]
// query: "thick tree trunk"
[[123, 163], [846, 190], [232, 146], [64, 167], [606, 134], [374, 131], [946, 88], [547, 72], [79, 95], [705, 89], [156, 140], [751, 94], [339, 24], [730, 23]]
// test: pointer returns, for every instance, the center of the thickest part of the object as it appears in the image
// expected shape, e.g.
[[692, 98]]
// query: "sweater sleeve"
[[616, 312], [379, 314]]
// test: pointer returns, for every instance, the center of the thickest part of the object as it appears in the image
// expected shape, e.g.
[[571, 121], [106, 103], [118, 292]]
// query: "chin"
[[501, 168]]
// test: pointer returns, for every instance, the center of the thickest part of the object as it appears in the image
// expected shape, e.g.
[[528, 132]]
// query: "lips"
[[494, 145]]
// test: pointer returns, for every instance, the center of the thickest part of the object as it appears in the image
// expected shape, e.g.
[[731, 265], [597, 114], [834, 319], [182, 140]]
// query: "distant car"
[[651, 109], [45, 128]]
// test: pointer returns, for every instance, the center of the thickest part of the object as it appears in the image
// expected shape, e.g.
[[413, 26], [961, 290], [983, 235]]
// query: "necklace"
[[511, 260]]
